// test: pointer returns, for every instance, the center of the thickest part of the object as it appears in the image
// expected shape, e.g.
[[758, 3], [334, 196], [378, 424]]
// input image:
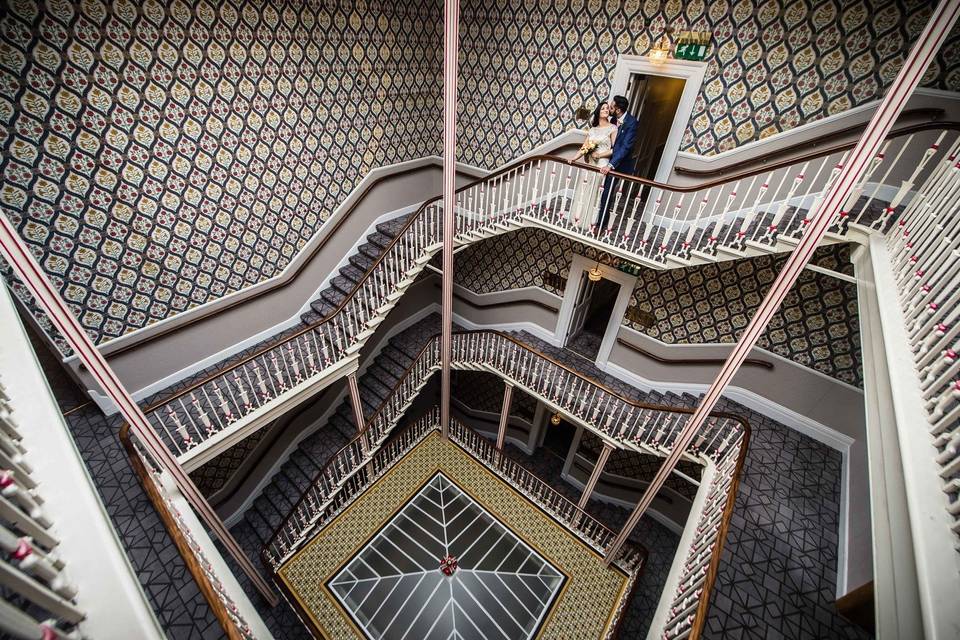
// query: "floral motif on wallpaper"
[[526, 66], [817, 326], [158, 156]]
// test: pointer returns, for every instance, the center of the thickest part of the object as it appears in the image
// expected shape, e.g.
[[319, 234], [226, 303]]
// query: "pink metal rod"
[[929, 42], [450, 46], [43, 291]]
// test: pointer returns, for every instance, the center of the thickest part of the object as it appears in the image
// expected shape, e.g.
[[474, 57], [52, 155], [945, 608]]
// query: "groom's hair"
[[622, 103]]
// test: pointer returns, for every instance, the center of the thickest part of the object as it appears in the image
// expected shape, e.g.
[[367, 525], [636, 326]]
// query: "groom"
[[622, 160]]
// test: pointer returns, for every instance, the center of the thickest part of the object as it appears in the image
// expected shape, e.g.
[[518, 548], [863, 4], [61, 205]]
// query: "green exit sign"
[[692, 45]]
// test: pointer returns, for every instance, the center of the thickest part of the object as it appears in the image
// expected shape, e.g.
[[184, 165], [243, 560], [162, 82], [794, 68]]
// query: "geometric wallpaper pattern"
[[160, 155], [817, 326], [526, 66], [157, 156]]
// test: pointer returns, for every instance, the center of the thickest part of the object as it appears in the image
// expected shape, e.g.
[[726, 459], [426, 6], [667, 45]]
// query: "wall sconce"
[[583, 113], [555, 419], [595, 274], [661, 50]]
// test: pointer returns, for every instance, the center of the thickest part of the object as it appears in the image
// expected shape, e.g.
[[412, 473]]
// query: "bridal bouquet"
[[587, 149]]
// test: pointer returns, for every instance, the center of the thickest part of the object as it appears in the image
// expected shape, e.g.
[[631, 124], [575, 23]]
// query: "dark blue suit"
[[621, 161]]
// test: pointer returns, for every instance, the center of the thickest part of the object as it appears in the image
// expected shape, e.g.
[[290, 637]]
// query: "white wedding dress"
[[586, 194]]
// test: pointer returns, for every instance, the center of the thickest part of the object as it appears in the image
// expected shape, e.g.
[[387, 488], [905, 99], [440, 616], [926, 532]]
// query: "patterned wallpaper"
[[817, 326], [157, 155], [527, 66]]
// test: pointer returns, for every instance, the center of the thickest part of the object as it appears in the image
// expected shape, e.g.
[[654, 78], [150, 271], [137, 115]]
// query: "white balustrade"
[[31, 569], [651, 224], [924, 249]]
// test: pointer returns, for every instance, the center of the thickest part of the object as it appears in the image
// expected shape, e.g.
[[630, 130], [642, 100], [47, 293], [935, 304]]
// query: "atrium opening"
[[458, 320]]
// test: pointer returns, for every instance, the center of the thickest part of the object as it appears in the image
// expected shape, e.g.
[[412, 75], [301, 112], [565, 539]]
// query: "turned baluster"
[[518, 197], [204, 418], [308, 344], [938, 405], [180, 428], [294, 359], [673, 222], [222, 402], [554, 210], [754, 211], [649, 234], [281, 383], [565, 211]]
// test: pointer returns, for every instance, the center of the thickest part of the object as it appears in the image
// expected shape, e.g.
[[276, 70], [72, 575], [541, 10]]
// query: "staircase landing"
[[386, 536]]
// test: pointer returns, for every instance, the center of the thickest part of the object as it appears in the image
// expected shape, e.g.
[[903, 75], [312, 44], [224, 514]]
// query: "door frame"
[[627, 282], [692, 73]]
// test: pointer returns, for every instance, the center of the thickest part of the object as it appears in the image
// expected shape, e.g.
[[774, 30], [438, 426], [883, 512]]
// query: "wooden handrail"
[[506, 169], [183, 546], [700, 618], [749, 173], [752, 362], [931, 113]]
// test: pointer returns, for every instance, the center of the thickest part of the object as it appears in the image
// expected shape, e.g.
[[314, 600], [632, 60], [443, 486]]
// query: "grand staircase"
[[294, 505], [659, 226], [312, 453], [376, 384], [905, 195]]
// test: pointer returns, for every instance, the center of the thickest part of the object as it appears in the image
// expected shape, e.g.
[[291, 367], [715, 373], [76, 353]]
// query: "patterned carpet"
[[777, 574], [170, 589]]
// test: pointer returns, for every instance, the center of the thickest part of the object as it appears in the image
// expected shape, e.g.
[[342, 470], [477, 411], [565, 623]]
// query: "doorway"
[[592, 310], [628, 81], [591, 316], [559, 438], [654, 101]]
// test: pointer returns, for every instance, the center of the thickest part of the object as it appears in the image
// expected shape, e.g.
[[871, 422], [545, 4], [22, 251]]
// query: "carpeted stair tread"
[[378, 389], [361, 261], [352, 272], [371, 250], [380, 239], [392, 227]]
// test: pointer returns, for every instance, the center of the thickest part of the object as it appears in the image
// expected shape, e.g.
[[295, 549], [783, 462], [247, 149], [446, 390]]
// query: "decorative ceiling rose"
[[555, 419]]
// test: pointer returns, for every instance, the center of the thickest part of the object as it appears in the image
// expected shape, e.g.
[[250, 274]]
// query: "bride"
[[596, 150]]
